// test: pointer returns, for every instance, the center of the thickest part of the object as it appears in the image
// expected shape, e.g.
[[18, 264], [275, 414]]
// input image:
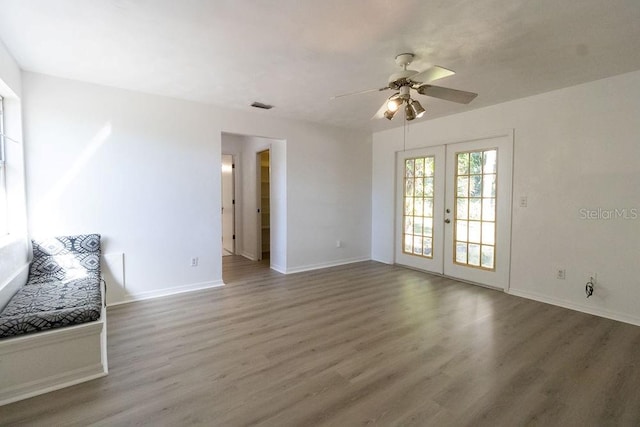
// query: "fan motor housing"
[[397, 80]]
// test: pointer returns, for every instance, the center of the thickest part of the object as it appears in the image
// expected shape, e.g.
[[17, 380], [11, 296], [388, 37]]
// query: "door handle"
[[447, 220]]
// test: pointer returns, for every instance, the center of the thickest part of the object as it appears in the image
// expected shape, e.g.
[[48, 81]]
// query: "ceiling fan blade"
[[430, 74], [359, 92], [454, 95], [380, 113]]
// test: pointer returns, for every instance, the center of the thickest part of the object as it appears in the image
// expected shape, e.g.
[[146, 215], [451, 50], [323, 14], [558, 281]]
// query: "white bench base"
[[41, 362]]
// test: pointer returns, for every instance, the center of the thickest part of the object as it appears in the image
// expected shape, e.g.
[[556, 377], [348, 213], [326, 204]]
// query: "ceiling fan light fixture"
[[394, 103], [416, 108], [389, 114], [408, 112]]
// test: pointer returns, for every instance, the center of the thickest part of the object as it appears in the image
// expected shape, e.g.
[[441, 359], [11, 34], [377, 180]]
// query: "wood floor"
[[363, 344]]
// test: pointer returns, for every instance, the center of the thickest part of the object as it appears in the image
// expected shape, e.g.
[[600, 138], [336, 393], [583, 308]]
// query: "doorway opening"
[[260, 194], [263, 175]]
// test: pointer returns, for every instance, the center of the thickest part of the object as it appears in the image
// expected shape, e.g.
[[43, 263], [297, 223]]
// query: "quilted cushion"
[[65, 245], [51, 305], [63, 266], [64, 258]]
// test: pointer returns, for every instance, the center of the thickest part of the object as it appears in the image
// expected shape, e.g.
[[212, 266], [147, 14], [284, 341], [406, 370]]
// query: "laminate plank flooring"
[[361, 344]]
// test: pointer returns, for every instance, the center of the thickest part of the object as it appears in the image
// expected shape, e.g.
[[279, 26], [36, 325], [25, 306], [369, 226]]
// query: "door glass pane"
[[427, 227], [474, 231], [408, 205], [428, 207], [475, 213], [408, 187], [427, 246], [418, 203], [489, 209], [419, 168], [490, 161], [461, 252], [475, 208], [408, 165], [462, 208], [475, 162], [489, 185], [408, 243], [474, 254], [463, 186], [417, 245], [461, 230], [488, 256], [428, 187], [463, 164], [488, 233]]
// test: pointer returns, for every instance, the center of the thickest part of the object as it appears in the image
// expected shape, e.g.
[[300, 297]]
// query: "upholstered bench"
[[53, 330], [63, 287]]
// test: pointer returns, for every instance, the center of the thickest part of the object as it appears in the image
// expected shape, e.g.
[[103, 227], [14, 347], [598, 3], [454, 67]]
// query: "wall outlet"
[[194, 262], [338, 243], [561, 274]]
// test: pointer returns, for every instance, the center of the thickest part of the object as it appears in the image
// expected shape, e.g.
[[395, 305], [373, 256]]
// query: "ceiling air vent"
[[261, 105]]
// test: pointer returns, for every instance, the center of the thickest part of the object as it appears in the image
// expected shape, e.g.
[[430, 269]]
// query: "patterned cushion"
[[64, 258], [60, 266], [83, 243], [63, 287], [51, 305]]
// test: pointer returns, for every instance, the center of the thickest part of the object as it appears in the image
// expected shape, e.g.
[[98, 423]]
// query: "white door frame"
[[233, 205]]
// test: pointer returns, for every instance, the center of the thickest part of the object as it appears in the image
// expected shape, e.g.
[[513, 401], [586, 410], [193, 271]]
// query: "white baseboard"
[[279, 268], [577, 307], [57, 382], [159, 293], [310, 267], [247, 255]]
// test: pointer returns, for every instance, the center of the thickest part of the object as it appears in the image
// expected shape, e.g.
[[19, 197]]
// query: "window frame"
[[4, 205]]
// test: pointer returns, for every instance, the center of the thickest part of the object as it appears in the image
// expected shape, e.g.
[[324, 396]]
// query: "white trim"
[[52, 336], [325, 265], [279, 269], [140, 296], [59, 381], [248, 255], [577, 307]]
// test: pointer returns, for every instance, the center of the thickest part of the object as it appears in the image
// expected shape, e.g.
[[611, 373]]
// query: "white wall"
[[144, 171], [575, 148], [13, 247]]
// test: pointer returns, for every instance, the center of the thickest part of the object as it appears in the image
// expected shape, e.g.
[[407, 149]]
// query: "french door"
[[453, 209]]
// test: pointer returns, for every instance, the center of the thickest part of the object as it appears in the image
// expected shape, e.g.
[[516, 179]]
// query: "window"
[[475, 218], [3, 175], [418, 206]]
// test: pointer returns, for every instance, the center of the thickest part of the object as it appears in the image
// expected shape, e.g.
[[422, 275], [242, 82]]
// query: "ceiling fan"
[[405, 80]]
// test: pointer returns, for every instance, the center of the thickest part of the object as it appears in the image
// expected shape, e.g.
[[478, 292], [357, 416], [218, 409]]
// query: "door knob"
[[447, 220]]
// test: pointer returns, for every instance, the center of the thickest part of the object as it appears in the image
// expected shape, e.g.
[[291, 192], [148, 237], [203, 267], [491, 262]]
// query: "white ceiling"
[[296, 54]]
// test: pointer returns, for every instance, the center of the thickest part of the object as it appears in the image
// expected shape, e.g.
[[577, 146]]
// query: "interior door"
[[477, 240], [453, 209], [419, 212], [228, 227]]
